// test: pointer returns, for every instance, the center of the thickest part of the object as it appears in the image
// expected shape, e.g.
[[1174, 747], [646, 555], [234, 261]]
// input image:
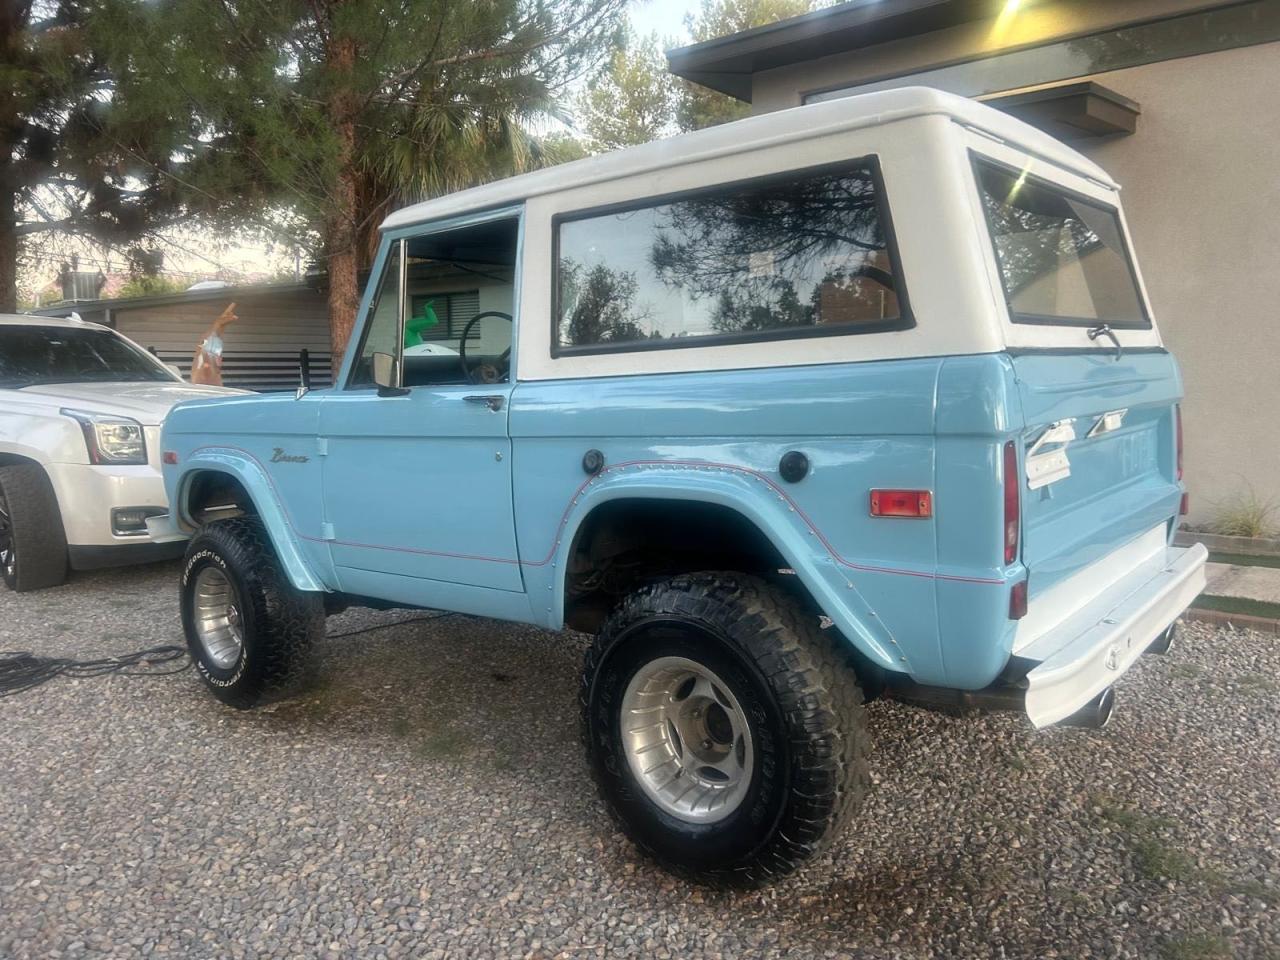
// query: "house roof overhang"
[[1072, 111], [727, 63]]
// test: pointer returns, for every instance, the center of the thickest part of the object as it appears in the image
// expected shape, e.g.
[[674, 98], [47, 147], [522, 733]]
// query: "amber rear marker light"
[[917, 504]]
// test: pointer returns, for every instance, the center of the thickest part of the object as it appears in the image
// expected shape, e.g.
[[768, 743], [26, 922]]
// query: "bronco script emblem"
[[281, 457]]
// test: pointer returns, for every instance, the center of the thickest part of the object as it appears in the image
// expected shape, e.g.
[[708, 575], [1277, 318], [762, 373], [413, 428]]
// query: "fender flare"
[[758, 500], [271, 511]]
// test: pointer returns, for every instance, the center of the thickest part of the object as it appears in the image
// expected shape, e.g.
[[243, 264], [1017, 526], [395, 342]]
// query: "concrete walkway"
[[1261, 584], [1249, 583]]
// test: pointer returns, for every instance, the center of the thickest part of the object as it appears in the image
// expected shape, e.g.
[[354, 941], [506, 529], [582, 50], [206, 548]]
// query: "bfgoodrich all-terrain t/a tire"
[[724, 728], [250, 632]]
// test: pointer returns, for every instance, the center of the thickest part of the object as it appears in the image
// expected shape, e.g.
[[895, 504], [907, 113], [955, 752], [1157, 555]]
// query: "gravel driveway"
[[429, 798]]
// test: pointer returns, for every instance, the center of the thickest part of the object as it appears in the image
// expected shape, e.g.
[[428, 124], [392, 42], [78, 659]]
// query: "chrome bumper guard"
[[163, 529], [1092, 649]]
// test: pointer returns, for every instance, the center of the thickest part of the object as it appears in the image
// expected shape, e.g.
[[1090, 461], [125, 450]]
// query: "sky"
[[663, 17]]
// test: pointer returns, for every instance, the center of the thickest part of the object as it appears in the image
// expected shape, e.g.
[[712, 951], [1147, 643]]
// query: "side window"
[[383, 327], [808, 254]]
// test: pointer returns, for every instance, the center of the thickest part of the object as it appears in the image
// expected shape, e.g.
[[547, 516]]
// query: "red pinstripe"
[[564, 519]]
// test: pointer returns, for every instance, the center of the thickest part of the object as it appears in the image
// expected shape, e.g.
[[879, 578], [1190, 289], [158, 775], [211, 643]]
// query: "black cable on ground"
[[384, 626], [21, 671]]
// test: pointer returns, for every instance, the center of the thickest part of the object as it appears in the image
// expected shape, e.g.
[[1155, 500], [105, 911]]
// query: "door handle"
[[494, 402]]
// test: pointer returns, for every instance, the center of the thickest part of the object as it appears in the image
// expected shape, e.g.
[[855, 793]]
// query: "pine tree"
[[698, 106], [635, 98], [632, 100], [65, 168], [343, 109]]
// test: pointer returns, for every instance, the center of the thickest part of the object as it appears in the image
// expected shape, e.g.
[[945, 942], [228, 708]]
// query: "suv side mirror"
[[384, 375]]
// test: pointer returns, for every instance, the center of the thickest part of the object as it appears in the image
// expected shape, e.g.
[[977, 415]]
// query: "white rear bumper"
[[1091, 649]]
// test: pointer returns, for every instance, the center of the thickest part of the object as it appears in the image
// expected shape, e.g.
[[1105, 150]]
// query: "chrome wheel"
[[217, 617], [686, 739]]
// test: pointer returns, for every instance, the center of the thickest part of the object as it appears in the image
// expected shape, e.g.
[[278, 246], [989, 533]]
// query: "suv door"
[[417, 477]]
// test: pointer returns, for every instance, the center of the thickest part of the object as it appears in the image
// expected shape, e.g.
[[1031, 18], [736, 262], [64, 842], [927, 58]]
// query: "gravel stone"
[[428, 797]]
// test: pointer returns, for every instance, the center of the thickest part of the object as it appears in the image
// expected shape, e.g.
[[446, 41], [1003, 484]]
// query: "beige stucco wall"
[[1201, 189]]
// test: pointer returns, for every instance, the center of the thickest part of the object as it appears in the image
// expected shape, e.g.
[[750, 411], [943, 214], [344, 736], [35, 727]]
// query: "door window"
[[458, 301]]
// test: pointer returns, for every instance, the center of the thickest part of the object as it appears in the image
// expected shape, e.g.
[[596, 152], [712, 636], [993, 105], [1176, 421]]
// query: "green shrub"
[[1245, 514]]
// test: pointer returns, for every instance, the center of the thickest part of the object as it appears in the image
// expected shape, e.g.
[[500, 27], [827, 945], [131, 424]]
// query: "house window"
[[1223, 28], [453, 311]]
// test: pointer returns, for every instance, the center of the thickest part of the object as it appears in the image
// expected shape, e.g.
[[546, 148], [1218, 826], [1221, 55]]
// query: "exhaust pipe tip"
[[1094, 714], [1164, 643]]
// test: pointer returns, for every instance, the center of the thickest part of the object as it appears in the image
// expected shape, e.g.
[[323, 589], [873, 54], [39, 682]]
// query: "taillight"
[[1012, 505], [1178, 417]]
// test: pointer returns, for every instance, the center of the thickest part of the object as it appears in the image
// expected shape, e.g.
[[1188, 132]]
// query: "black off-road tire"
[[37, 540], [802, 702], [280, 624]]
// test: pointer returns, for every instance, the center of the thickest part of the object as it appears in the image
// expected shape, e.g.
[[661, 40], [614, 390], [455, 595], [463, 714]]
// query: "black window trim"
[[869, 163], [978, 160]]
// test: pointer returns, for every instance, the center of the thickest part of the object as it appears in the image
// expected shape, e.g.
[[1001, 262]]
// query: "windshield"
[[37, 355], [1063, 258]]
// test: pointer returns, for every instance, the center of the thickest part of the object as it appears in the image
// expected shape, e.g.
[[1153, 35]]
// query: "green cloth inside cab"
[[419, 323]]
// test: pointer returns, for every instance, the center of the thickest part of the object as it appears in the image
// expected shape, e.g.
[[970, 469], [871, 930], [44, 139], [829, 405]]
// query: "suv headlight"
[[110, 439]]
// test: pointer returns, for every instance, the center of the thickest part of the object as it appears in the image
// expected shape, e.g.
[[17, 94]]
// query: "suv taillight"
[[1012, 506]]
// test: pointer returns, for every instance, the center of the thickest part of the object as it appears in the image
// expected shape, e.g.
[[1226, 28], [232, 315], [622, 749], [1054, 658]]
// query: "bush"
[[1245, 514]]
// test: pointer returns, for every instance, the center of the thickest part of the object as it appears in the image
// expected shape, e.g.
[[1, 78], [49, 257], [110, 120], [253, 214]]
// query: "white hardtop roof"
[[752, 133], [31, 320]]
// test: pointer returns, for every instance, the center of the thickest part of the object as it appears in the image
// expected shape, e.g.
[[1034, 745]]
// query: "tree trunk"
[[8, 248], [341, 240]]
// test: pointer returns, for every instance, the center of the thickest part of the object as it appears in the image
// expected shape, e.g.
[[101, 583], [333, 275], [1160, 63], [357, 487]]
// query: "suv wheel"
[[250, 632], [725, 731], [33, 546]]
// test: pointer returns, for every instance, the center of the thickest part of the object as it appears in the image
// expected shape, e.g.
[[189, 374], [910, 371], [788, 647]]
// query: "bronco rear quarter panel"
[[861, 426]]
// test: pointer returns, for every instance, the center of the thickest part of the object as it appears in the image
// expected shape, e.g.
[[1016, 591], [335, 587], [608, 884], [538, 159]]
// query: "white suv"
[[80, 414]]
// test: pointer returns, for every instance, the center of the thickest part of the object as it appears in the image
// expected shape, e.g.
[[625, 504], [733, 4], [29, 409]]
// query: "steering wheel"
[[485, 372]]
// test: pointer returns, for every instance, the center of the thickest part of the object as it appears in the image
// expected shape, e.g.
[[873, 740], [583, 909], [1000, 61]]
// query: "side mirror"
[[384, 370], [385, 376], [174, 369]]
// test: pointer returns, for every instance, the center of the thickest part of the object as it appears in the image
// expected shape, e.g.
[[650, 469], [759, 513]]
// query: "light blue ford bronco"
[[859, 399]]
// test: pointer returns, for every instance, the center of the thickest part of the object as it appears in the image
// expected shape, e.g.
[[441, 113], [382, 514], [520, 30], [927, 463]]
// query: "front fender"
[[266, 501], [761, 501]]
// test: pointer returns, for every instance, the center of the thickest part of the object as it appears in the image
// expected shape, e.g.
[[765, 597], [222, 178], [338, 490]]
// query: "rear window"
[[1062, 257], [808, 254]]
